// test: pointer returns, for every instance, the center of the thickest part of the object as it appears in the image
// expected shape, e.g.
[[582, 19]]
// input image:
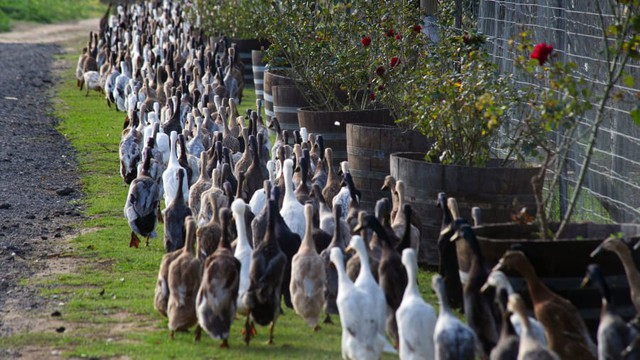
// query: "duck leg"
[[273, 325], [160, 219], [224, 344], [247, 332], [172, 334], [147, 242], [327, 319], [135, 241], [198, 333], [316, 328]]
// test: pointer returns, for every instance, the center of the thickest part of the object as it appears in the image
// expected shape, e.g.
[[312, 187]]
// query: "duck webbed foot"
[[135, 241]]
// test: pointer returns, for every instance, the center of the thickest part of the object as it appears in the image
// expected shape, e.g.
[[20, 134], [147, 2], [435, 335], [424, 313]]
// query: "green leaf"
[[635, 114], [628, 80]]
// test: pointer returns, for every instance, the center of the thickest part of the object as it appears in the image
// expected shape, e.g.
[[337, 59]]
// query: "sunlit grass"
[[47, 11]]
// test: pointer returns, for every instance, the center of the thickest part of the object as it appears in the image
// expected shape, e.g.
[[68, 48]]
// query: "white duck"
[[169, 176], [292, 211], [243, 252], [499, 280], [367, 283], [308, 276], [121, 82], [343, 197], [416, 318], [452, 338], [91, 79], [360, 340], [163, 142], [529, 348], [259, 198]]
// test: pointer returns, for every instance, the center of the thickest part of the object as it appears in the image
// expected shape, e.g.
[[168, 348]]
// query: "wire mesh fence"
[[611, 191]]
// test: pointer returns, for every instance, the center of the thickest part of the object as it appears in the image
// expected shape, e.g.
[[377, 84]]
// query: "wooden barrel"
[[258, 73], [492, 188], [273, 77], [561, 264], [369, 147], [286, 101], [332, 125], [245, 48]]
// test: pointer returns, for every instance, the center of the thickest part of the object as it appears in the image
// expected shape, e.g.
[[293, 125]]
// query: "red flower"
[[366, 41], [541, 52], [398, 37], [466, 38], [380, 70], [417, 28], [394, 61], [372, 96], [390, 33]]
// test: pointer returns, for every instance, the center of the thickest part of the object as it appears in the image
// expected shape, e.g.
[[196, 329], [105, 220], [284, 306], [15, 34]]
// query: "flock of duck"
[[249, 224]]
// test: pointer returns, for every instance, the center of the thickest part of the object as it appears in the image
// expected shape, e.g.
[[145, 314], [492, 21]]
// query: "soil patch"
[[39, 182]]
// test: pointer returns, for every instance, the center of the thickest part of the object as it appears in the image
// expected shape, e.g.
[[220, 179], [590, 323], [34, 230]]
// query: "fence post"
[[428, 9]]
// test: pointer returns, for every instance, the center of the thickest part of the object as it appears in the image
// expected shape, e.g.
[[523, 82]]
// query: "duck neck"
[[633, 275], [343, 279], [173, 157], [190, 245], [364, 262], [412, 282], [241, 229], [537, 289], [308, 245], [288, 186], [445, 309]]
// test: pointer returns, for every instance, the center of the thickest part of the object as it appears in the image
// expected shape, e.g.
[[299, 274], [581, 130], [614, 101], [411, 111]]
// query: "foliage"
[[46, 11], [238, 19], [459, 100], [334, 50]]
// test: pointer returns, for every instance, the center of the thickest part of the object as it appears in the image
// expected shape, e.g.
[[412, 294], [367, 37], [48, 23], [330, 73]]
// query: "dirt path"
[[26, 33], [39, 182]]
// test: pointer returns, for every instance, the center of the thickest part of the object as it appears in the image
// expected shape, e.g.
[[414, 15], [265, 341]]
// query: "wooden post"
[[428, 7]]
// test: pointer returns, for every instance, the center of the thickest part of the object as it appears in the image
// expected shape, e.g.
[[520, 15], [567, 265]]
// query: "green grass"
[[47, 11], [113, 285]]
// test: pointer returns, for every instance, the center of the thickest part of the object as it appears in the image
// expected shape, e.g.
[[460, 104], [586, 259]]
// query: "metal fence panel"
[[611, 192]]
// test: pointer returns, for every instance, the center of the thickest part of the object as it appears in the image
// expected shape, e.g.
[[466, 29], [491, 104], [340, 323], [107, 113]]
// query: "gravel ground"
[[39, 185]]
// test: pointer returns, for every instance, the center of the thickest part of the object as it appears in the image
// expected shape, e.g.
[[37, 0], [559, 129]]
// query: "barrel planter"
[[245, 48], [493, 188], [257, 67], [369, 147], [286, 101], [332, 125], [561, 264], [273, 77]]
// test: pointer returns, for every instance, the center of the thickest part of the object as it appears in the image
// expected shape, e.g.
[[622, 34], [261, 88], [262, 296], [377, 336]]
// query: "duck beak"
[[584, 282], [357, 229], [349, 249], [498, 267], [637, 245], [384, 187], [446, 230], [484, 287], [597, 250]]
